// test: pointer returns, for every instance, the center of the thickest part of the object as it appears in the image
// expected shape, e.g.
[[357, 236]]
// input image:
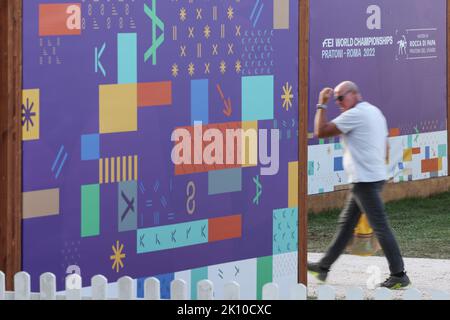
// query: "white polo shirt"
[[364, 141]]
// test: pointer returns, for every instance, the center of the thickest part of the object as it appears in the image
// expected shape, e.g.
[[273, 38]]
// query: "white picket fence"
[[178, 290]]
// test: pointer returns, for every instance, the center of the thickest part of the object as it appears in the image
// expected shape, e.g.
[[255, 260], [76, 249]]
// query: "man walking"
[[364, 135]]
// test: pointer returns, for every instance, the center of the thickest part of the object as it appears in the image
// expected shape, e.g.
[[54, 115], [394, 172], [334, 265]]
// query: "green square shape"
[[258, 98], [310, 168], [442, 151], [264, 266], [90, 210], [197, 275]]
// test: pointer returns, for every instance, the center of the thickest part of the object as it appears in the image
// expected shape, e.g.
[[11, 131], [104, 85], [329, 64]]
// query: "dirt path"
[[427, 275]]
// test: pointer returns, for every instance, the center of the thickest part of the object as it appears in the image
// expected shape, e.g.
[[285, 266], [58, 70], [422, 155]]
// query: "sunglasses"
[[342, 97]]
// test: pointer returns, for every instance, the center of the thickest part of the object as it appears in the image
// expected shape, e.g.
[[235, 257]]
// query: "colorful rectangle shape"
[[30, 114], [90, 147], [153, 94], [225, 228], [293, 185], [430, 165], [59, 19], [338, 164], [172, 236], [200, 101], [127, 58], [224, 181], [118, 108], [281, 14], [257, 98], [40, 203], [90, 210], [127, 206]]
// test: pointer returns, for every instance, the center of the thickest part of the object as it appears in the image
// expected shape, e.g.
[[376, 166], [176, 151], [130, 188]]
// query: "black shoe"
[[395, 283], [317, 271]]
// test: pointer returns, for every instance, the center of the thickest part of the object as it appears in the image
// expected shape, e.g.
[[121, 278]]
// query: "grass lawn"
[[422, 227]]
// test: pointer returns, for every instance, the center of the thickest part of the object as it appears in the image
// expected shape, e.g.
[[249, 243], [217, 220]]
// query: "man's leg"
[[368, 198], [347, 222]]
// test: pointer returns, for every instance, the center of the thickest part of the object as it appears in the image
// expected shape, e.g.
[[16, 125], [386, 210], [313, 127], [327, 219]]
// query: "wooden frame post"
[[303, 82], [10, 138], [448, 87]]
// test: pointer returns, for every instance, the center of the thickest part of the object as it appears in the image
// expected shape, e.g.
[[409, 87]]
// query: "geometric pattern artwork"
[[118, 169], [417, 129], [285, 232], [412, 157], [188, 234], [243, 272], [285, 272], [108, 83]]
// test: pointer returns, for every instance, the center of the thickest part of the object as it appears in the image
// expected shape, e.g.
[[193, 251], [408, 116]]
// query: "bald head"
[[347, 86], [347, 95]]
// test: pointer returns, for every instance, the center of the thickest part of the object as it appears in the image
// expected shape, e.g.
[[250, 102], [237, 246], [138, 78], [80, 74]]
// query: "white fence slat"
[[47, 286], [232, 291], [439, 295], [73, 287], [2, 286], [22, 286], [35, 296], [125, 288], [178, 290], [298, 292], [270, 291], [356, 293], [152, 289], [99, 286], [326, 292], [383, 294], [412, 294], [205, 290]]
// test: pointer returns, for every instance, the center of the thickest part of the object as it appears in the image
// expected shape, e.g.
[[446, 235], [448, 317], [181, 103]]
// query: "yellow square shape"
[[118, 108], [407, 155], [30, 115], [249, 145]]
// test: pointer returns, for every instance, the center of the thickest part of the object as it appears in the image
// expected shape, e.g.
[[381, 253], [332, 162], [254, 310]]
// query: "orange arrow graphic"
[[227, 103], [228, 110]]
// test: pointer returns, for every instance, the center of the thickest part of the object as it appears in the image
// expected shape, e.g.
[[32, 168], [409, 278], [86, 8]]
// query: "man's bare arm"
[[323, 128]]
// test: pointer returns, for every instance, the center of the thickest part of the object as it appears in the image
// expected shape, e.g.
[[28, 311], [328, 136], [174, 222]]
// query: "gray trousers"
[[365, 197]]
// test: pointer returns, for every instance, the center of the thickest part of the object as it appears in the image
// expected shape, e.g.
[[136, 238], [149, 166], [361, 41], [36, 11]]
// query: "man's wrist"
[[322, 106]]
